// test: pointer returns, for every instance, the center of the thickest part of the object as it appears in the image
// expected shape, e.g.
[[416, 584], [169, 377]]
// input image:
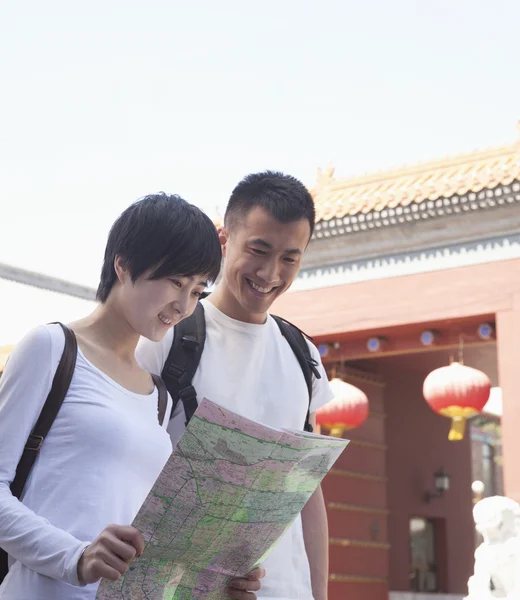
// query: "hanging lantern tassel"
[[458, 416], [457, 392], [347, 410]]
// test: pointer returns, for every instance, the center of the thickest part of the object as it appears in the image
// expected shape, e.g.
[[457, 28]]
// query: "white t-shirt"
[[99, 461], [251, 370]]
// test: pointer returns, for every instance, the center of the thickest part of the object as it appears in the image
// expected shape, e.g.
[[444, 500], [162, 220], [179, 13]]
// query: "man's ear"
[[223, 236], [122, 273]]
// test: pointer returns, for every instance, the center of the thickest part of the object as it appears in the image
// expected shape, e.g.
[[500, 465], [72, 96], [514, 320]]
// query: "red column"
[[355, 493], [508, 356]]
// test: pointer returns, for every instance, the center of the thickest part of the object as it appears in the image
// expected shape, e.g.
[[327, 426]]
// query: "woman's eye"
[[176, 282]]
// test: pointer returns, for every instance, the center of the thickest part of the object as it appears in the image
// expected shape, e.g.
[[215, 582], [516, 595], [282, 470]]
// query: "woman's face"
[[152, 306]]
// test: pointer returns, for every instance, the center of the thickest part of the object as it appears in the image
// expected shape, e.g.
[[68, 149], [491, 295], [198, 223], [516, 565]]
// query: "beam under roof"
[[46, 282]]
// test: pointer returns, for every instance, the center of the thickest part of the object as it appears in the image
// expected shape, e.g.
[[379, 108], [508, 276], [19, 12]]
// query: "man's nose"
[[269, 271]]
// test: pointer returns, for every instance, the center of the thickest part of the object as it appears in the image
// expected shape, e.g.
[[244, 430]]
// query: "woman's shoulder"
[[42, 343], [30, 367]]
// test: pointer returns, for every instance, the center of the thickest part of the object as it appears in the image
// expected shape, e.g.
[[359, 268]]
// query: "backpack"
[[49, 412], [186, 351]]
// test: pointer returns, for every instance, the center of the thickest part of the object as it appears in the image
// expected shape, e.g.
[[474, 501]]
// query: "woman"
[[106, 446]]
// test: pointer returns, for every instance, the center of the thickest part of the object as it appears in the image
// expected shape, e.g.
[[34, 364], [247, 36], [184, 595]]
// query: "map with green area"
[[229, 491]]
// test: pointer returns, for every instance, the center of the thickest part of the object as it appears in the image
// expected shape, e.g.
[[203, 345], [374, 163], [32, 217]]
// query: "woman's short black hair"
[[284, 197], [164, 233]]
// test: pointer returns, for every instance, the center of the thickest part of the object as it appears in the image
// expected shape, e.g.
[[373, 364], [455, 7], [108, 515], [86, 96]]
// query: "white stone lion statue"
[[497, 559]]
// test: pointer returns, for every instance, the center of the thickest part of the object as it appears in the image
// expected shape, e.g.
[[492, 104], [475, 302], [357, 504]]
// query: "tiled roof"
[[338, 198]]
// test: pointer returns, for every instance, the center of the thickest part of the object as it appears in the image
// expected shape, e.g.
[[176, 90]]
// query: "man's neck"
[[226, 302]]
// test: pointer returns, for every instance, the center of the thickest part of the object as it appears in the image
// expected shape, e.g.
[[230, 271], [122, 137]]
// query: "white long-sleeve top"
[[99, 461]]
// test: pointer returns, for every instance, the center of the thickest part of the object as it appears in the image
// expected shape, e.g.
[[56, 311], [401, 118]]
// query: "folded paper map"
[[229, 491]]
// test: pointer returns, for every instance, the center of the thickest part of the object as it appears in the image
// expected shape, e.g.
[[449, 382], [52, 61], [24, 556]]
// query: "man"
[[248, 366]]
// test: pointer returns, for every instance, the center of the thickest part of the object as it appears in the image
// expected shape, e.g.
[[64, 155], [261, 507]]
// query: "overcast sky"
[[106, 100]]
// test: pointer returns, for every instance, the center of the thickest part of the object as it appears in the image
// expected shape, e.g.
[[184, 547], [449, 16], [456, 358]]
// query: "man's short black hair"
[[284, 197], [164, 233]]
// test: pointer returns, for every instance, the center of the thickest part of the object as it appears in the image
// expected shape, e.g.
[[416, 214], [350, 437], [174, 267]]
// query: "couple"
[[107, 444]]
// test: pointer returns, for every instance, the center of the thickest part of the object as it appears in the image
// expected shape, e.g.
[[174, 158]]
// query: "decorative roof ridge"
[[325, 178], [412, 185]]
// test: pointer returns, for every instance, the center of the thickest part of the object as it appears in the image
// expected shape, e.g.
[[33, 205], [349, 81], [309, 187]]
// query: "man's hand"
[[244, 588], [110, 554]]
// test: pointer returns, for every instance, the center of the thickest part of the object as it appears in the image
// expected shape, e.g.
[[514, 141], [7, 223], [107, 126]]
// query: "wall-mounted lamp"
[[442, 485], [376, 344], [324, 349], [486, 331], [429, 337]]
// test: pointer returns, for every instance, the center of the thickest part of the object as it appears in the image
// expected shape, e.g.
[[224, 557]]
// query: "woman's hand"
[[110, 554]]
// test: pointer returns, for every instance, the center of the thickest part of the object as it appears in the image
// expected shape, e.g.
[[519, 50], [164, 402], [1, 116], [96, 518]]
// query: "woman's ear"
[[120, 269]]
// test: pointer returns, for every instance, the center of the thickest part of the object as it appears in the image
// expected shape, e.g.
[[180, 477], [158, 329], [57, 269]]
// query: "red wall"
[[422, 298], [355, 492], [418, 445]]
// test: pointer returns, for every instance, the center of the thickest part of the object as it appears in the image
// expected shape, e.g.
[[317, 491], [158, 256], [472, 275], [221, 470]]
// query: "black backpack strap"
[[163, 397], [183, 360], [296, 339], [60, 386]]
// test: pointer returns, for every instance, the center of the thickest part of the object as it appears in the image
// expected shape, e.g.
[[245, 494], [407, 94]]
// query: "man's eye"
[[258, 252]]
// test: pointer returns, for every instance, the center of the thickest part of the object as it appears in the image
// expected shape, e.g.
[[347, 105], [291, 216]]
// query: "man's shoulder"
[[277, 331], [315, 353]]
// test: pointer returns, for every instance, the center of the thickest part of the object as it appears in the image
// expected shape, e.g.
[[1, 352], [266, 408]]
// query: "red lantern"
[[347, 410], [457, 392]]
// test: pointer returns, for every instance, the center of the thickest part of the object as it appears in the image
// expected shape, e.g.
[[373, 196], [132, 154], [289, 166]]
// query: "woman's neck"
[[108, 329]]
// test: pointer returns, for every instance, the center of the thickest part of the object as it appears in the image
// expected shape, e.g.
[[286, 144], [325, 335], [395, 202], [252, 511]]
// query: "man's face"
[[262, 259]]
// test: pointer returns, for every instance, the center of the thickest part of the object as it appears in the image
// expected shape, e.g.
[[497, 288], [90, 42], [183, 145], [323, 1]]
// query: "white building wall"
[[410, 263]]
